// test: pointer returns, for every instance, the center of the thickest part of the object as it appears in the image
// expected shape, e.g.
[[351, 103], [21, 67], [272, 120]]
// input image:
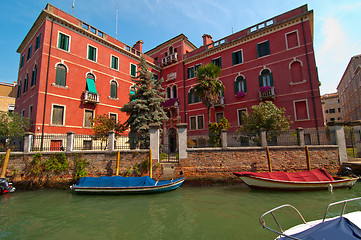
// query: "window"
[[196, 67], [237, 57], [219, 116], [115, 63], [240, 85], [332, 110], [196, 122], [113, 116], [29, 52], [326, 111], [22, 61], [301, 110], [30, 111], [113, 89], [266, 78], [339, 109], [23, 113], [63, 42], [133, 70], [25, 87], [92, 53], [240, 113], [193, 97], [58, 115], [167, 92], [190, 72], [60, 77], [88, 115], [217, 62], [263, 49], [19, 90], [132, 90], [296, 71], [90, 83], [37, 42], [332, 119], [155, 77], [292, 40], [174, 91], [33, 76]]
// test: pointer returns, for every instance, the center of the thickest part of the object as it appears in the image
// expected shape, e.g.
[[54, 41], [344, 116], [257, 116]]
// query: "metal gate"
[[168, 154]]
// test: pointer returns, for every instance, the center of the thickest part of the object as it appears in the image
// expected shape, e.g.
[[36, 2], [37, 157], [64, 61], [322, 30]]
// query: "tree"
[[12, 126], [209, 86], [144, 106], [215, 130], [268, 116], [102, 125]]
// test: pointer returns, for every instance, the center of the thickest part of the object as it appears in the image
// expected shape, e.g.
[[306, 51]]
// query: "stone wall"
[[218, 164]]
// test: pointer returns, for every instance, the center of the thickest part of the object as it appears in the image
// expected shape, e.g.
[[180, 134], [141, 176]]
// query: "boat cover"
[[317, 175], [336, 229], [117, 181]]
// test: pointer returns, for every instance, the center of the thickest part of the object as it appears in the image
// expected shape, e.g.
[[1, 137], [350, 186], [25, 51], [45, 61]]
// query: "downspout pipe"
[[309, 75], [46, 86]]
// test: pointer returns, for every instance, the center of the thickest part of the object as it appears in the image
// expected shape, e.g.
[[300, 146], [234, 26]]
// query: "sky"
[[337, 32]]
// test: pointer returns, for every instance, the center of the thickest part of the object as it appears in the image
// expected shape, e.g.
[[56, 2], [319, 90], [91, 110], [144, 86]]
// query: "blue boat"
[[124, 185]]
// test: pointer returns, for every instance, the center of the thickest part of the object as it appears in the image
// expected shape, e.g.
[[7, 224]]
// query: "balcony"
[[170, 59], [267, 92], [171, 103], [89, 97], [220, 102]]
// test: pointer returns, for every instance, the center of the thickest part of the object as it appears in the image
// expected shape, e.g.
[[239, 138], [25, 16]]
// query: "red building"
[[70, 71]]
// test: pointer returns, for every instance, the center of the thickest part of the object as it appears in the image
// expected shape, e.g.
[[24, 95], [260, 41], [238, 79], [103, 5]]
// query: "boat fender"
[[330, 188]]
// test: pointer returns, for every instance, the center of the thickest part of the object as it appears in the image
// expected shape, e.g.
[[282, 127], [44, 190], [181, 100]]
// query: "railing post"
[[28, 140], [70, 141], [263, 137], [154, 141], [224, 138], [182, 140], [300, 136], [357, 137], [337, 127], [111, 139]]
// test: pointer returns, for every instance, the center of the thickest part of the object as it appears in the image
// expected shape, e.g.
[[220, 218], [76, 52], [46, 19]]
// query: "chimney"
[[207, 39], [139, 46]]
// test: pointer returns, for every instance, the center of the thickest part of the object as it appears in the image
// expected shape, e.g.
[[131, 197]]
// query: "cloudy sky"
[[337, 31]]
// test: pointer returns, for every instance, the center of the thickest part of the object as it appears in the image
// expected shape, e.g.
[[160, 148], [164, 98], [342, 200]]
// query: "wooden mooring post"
[[269, 160]]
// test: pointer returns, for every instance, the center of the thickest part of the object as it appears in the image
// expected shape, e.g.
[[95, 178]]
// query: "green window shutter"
[[240, 60], [235, 87], [60, 40], [133, 70], [66, 43], [189, 97], [90, 84], [257, 50], [60, 78], [260, 81], [19, 90], [245, 85], [267, 47], [234, 58], [271, 79], [220, 62], [113, 90]]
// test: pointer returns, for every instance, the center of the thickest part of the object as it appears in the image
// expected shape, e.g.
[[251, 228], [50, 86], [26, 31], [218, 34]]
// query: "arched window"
[[174, 91], [90, 83], [19, 89], [193, 97], [168, 93], [33, 76], [265, 79], [296, 71], [132, 89], [170, 50], [240, 85], [113, 89], [60, 78], [26, 83]]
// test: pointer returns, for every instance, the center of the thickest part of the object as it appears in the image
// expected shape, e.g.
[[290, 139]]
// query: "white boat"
[[346, 226], [316, 179]]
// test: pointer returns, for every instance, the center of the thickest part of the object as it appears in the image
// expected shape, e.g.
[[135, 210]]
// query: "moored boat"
[[346, 226], [5, 186], [125, 185], [317, 179]]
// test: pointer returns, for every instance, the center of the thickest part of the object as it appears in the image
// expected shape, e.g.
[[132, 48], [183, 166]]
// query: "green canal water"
[[218, 212]]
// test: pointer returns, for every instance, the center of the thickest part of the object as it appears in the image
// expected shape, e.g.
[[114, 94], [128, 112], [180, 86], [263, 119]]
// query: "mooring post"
[[308, 159], [269, 160]]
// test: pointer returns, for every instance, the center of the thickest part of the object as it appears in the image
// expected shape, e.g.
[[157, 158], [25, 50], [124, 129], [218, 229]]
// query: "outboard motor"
[[5, 186]]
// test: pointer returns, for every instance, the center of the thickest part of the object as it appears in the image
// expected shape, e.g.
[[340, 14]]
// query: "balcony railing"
[[170, 59], [220, 102], [267, 93], [89, 97]]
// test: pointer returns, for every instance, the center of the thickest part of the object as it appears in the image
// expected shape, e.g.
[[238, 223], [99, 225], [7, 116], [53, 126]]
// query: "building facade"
[[331, 107], [349, 90], [70, 71], [7, 97]]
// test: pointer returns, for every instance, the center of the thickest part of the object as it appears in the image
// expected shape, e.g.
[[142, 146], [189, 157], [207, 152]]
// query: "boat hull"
[[129, 190], [262, 183]]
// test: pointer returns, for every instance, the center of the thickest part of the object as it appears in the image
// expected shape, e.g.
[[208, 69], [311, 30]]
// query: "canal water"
[[218, 212]]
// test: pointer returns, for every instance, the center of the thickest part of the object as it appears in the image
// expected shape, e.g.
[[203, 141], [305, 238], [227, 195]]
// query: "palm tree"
[[209, 86]]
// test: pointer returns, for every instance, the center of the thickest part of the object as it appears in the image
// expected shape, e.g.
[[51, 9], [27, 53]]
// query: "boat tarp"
[[118, 181], [316, 175], [336, 229]]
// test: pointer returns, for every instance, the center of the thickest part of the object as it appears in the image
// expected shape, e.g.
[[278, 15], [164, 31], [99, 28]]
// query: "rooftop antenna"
[[116, 25], [73, 7]]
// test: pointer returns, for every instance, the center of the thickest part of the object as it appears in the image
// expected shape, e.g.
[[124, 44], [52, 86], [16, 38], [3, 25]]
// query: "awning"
[[90, 85]]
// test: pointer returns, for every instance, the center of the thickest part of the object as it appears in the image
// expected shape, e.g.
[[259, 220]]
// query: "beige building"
[[349, 90], [7, 96], [331, 107]]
